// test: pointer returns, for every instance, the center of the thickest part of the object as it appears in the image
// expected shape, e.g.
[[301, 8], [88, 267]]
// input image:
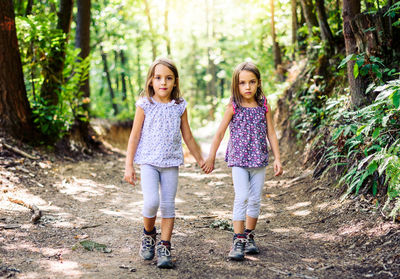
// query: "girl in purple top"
[[249, 118], [155, 144]]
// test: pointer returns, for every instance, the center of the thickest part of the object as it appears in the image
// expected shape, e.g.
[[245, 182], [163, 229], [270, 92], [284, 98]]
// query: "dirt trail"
[[303, 231]]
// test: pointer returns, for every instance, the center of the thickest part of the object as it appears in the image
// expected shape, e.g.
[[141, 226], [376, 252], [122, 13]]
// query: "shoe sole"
[[236, 258], [166, 266], [252, 252]]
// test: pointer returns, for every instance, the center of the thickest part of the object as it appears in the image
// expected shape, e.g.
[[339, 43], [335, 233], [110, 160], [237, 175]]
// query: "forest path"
[[303, 231]]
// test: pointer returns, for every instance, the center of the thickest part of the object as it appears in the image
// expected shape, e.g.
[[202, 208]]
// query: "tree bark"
[[123, 76], [294, 20], [53, 73], [350, 9], [166, 35], [152, 35], [326, 33], [15, 113], [108, 76], [82, 39], [29, 5], [275, 45], [309, 15]]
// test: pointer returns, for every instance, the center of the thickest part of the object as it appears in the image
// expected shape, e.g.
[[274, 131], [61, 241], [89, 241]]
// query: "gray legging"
[[156, 182], [248, 184]]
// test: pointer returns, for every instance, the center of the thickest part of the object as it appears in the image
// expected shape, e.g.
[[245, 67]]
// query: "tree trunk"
[[211, 69], [108, 76], [15, 113], [294, 20], [357, 88], [82, 40], [29, 5], [326, 33], [309, 15], [152, 35], [166, 35], [53, 73], [123, 77], [275, 45]]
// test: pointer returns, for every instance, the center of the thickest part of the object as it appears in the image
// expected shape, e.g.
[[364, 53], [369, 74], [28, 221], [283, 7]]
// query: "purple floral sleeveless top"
[[247, 146]]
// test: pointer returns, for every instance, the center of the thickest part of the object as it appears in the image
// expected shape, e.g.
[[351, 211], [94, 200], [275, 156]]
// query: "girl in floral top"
[[155, 144], [249, 118]]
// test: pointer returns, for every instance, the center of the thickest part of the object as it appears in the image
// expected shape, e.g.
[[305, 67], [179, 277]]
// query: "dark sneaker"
[[251, 247], [237, 251], [148, 246], [164, 259]]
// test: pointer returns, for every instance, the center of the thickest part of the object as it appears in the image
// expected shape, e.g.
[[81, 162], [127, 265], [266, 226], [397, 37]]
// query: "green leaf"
[[355, 70], [91, 245], [346, 60], [360, 129], [372, 167], [376, 133], [396, 99], [374, 188]]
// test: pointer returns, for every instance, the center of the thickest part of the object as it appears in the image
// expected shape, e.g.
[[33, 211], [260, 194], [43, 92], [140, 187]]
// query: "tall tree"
[[15, 113], [350, 9], [82, 40], [275, 45], [211, 68], [152, 34], [294, 20], [167, 40], [53, 73], [309, 15], [326, 33]]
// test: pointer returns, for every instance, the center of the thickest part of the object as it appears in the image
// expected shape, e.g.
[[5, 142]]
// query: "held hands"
[[208, 165], [130, 175], [278, 168]]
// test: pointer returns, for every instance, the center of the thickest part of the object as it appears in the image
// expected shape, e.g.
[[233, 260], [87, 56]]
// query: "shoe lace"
[[148, 241], [163, 250], [239, 242]]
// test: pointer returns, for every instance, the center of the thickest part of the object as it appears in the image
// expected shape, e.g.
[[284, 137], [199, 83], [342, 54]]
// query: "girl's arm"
[[130, 174], [271, 135], [191, 143], [209, 165]]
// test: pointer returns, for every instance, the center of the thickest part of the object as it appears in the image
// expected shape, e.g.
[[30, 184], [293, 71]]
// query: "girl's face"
[[248, 84], [163, 82]]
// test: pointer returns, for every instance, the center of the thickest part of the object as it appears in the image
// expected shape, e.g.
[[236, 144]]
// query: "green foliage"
[[366, 143], [37, 37]]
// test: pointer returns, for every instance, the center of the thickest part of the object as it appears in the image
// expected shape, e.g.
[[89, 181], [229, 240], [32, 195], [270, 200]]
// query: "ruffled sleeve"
[[143, 103], [265, 104], [182, 106]]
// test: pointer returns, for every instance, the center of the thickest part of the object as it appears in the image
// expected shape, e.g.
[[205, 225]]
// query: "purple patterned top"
[[160, 142], [247, 146]]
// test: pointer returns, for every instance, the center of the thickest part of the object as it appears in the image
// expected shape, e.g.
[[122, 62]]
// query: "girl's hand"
[[278, 168], [208, 165], [130, 175]]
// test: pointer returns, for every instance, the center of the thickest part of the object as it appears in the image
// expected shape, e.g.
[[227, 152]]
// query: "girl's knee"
[[167, 210]]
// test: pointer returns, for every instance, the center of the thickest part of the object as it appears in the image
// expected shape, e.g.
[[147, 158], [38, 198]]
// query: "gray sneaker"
[[148, 245], [251, 247], [237, 251], [164, 259]]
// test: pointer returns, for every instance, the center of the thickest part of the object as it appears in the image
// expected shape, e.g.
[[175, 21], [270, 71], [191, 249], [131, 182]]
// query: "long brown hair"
[[250, 67], [149, 90]]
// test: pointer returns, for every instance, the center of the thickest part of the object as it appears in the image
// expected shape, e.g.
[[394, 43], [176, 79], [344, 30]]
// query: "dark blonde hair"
[[250, 67], [149, 90]]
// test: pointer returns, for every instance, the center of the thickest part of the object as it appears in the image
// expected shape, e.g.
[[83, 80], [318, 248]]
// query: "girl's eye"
[[169, 78], [253, 82], [157, 77]]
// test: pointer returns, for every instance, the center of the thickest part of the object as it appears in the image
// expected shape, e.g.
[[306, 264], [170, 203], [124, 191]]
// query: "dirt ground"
[[304, 231]]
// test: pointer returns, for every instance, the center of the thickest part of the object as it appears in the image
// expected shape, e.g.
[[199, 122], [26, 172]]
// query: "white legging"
[[156, 182], [248, 184]]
